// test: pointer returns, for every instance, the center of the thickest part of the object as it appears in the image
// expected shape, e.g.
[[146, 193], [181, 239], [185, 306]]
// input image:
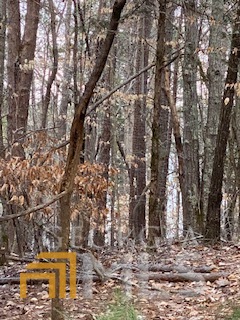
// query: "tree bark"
[[76, 139], [2, 56], [192, 216], [212, 231], [53, 73], [104, 147], [20, 70], [160, 138], [137, 217], [67, 75], [215, 77], [178, 139]]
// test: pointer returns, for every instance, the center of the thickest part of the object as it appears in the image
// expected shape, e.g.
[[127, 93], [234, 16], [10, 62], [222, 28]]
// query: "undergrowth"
[[120, 309], [235, 315]]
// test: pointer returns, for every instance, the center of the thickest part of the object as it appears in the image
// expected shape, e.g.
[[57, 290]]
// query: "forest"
[[119, 159]]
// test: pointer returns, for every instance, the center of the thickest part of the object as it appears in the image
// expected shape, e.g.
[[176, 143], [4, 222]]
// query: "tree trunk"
[[104, 146], [212, 231], [104, 159], [137, 205], [215, 74], [47, 97], [2, 56], [236, 134], [160, 138], [76, 141], [192, 216], [67, 75], [20, 69]]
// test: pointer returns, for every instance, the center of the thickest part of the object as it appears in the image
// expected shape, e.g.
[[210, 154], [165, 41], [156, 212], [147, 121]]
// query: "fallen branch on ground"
[[171, 277], [186, 277]]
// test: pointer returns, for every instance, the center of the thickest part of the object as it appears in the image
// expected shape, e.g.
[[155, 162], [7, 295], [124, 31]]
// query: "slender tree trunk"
[[104, 147], [76, 141], [91, 142], [47, 98], [215, 74], [20, 69], [67, 75], [160, 138], [2, 56], [13, 41], [236, 134], [192, 216], [137, 206], [230, 186], [177, 137], [104, 159], [212, 231]]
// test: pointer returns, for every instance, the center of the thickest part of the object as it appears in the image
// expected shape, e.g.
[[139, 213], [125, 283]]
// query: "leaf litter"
[[153, 298]]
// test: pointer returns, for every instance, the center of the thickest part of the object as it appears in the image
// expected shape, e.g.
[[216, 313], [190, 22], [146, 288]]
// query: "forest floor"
[[195, 299]]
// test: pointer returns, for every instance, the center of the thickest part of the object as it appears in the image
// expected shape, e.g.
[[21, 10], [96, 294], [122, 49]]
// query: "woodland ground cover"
[[150, 297]]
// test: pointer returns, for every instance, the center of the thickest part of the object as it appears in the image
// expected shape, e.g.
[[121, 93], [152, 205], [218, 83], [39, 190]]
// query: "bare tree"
[[137, 205], [191, 207], [76, 140], [215, 78], [161, 134], [212, 230]]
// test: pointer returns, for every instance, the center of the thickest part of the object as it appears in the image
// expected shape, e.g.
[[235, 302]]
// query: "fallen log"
[[179, 268], [170, 277], [186, 277], [16, 280]]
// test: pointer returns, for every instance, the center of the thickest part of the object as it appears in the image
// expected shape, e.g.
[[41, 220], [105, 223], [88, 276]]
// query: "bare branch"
[[110, 93], [34, 209]]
